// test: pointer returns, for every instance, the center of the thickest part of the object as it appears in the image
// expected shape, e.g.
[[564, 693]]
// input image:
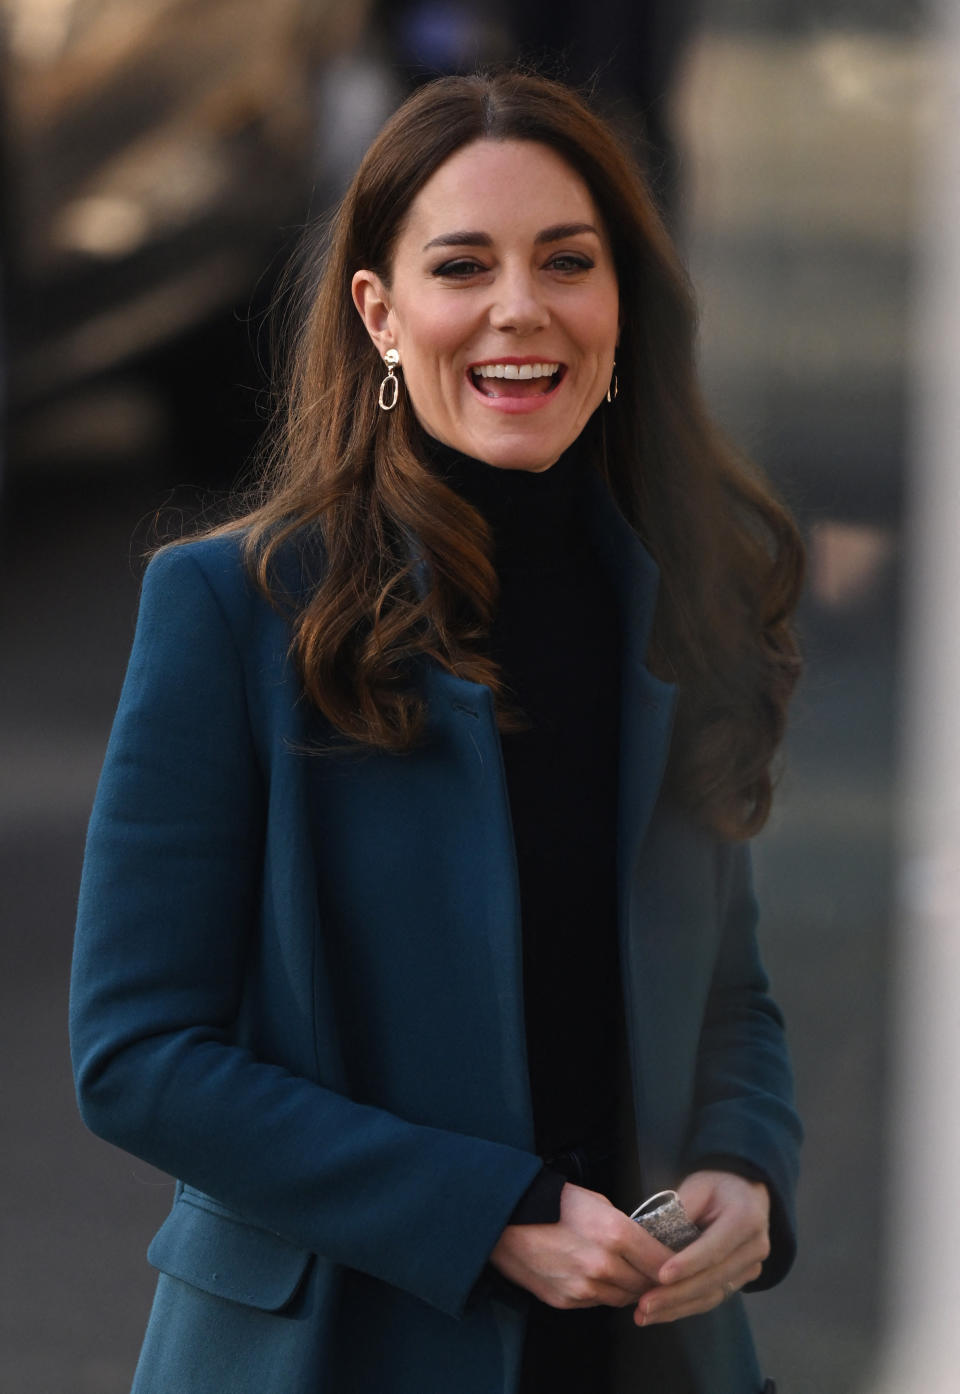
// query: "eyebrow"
[[558, 233]]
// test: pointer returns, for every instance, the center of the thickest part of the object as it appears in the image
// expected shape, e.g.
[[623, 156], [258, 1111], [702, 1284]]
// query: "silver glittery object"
[[664, 1217]]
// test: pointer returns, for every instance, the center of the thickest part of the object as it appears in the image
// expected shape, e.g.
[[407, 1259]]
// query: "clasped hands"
[[596, 1256]]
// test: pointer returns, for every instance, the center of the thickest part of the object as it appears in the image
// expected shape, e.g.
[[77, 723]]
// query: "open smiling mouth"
[[516, 379]]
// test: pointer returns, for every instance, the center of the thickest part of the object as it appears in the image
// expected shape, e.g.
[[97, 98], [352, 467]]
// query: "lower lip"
[[516, 406]]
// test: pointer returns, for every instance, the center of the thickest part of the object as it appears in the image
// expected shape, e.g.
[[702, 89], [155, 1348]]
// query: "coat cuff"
[[540, 1202]]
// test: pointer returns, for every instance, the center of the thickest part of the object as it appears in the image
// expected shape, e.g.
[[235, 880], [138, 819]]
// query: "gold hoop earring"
[[612, 389], [390, 387]]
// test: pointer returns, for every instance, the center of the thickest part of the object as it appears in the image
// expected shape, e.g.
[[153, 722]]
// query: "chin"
[[524, 453], [505, 461]]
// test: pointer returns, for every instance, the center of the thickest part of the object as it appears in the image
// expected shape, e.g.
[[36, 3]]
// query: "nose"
[[518, 305]]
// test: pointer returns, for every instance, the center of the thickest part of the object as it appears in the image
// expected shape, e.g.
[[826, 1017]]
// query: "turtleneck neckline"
[[533, 515]]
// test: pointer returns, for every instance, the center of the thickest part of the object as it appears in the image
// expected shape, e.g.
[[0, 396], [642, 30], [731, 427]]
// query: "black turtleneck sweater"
[[555, 637]]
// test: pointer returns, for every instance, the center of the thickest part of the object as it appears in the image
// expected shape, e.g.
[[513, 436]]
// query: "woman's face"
[[502, 303]]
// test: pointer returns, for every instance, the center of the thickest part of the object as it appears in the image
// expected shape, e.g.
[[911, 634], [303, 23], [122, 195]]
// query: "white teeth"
[[516, 370]]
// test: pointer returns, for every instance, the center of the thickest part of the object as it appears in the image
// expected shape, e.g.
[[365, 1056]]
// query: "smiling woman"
[[481, 317], [416, 931]]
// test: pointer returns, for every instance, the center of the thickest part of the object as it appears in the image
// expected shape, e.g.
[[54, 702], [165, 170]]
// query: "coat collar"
[[631, 569]]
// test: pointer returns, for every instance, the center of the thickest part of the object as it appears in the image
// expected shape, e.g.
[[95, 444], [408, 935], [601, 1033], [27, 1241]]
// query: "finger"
[[595, 1295], [739, 1268], [642, 1252], [702, 1295], [622, 1287], [617, 1281], [729, 1233], [701, 1256], [742, 1267]]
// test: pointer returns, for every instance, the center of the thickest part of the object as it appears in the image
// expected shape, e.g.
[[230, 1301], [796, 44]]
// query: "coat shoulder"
[[220, 562], [197, 594], [228, 564]]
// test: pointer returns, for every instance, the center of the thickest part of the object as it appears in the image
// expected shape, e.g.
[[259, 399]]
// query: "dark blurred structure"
[[159, 159], [626, 52], [631, 53]]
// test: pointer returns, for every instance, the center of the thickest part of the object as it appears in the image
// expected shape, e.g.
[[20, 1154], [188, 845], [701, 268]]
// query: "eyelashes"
[[459, 268], [462, 268], [573, 261]]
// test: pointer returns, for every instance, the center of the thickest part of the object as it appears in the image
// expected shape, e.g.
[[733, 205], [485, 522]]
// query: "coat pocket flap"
[[204, 1244]]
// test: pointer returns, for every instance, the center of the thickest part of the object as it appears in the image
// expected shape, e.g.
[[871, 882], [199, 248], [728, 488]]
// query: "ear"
[[372, 300]]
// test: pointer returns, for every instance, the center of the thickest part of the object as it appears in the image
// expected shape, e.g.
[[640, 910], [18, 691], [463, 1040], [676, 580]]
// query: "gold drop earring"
[[390, 387], [612, 389]]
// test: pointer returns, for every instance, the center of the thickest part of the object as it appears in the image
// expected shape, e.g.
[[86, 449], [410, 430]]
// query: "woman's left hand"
[[734, 1215]]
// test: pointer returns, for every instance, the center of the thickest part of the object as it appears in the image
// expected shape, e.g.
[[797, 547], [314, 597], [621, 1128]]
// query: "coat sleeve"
[[744, 1115], [168, 907]]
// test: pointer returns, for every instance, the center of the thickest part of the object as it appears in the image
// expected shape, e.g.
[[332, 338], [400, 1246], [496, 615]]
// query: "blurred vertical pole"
[[922, 1269]]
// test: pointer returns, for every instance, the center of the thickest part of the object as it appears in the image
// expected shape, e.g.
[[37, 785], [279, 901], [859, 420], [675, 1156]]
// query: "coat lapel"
[[646, 722], [647, 703], [463, 720]]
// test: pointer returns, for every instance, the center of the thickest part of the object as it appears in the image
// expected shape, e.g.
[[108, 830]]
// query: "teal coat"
[[297, 987]]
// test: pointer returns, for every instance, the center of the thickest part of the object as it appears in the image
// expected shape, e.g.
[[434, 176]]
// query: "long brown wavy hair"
[[406, 573]]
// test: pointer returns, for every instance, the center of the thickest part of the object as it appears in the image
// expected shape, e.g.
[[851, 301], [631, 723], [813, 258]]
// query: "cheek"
[[432, 339], [608, 327], [602, 325], [599, 346], [435, 335]]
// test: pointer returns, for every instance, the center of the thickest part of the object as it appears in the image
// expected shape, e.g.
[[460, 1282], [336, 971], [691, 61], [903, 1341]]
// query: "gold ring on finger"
[[728, 1290]]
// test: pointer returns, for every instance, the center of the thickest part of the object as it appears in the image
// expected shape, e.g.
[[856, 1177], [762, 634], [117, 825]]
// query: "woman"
[[414, 782]]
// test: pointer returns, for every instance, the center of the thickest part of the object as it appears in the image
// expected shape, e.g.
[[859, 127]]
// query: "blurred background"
[[159, 160]]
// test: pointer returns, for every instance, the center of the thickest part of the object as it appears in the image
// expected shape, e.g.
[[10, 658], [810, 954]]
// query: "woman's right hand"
[[594, 1255]]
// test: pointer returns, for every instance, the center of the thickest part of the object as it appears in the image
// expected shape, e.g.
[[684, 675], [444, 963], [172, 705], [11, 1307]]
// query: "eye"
[[459, 269], [570, 261]]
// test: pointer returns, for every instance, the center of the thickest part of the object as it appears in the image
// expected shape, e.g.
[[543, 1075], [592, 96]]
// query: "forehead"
[[501, 187]]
